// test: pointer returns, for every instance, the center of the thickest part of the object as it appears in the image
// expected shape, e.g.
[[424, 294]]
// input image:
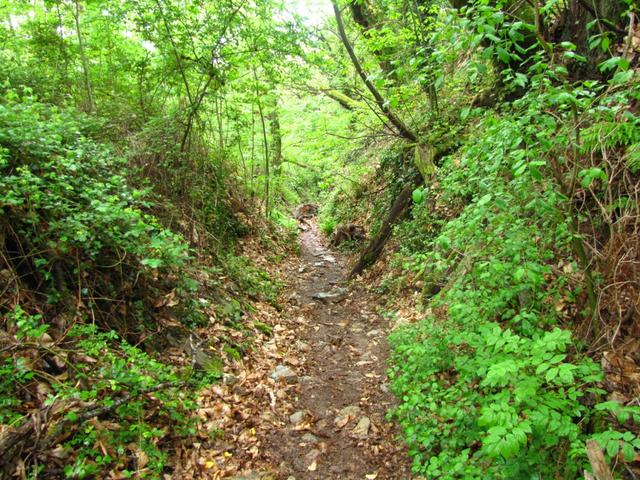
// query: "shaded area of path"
[[338, 428]]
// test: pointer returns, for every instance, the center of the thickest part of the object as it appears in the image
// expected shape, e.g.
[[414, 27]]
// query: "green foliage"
[[69, 210], [488, 390], [194, 122], [103, 369], [491, 387], [328, 225], [124, 368]]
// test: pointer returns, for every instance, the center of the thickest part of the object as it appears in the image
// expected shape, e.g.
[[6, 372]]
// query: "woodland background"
[[152, 153]]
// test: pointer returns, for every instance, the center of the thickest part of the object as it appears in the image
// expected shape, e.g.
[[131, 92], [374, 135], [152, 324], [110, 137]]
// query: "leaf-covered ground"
[[312, 399]]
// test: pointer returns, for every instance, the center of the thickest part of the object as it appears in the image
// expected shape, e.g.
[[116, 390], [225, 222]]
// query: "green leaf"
[[485, 199], [551, 374], [418, 195], [503, 55], [628, 452], [614, 63], [613, 447], [152, 262]]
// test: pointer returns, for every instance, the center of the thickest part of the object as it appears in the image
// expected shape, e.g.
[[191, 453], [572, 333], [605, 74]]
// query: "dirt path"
[[310, 400], [338, 429]]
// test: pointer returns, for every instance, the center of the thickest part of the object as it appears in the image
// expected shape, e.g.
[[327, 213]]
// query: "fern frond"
[[607, 135], [632, 157]]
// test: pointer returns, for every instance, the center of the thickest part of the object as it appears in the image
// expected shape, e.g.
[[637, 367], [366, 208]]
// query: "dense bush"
[[67, 209], [492, 382]]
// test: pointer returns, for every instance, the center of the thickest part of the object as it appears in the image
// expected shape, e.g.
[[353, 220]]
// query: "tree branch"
[[402, 129]]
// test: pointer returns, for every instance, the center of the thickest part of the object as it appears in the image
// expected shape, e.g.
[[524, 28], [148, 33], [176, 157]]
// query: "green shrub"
[[491, 385], [101, 369], [68, 210], [327, 225]]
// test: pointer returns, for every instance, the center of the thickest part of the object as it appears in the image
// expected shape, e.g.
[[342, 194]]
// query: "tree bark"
[[345, 101], [398, 212], [427, 159], [276, 138], [402, 129]]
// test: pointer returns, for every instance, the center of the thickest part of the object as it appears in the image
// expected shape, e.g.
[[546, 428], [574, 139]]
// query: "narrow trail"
[[338, 429], [310, 402]]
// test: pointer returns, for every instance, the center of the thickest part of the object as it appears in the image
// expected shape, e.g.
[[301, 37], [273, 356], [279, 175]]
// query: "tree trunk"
[[402, 129], [398, 212], [427, 159], [344, 100], [276, 139], [84, 60], [265, 144], [571, 25]]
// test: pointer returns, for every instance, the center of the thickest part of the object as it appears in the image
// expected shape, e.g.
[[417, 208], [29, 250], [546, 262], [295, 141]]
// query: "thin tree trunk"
[[253, 154], [402, 129], [266, 147], [193, 110], [244, 164], [422, 41], [266, 160], [220, 125], [175, 53], [63, 51], [83, 58], [276, 138]]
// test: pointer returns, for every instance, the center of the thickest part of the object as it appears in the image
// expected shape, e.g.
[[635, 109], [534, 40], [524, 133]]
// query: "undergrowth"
[[92, 281], [492, 382]]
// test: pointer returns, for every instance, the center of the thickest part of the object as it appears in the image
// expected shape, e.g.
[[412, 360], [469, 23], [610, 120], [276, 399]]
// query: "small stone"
[[346, 415], [296, 418], [229, 379], [301, 269], [361, 430], [306, 380], [335, 296], [329, 258], [318, 264], [283, 372], [309, 438]]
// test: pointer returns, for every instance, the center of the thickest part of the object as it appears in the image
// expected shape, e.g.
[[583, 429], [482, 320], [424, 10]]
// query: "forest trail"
[[311, 400], [338, 429]]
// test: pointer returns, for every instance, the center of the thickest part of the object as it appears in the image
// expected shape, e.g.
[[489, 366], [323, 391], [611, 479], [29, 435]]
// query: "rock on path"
[[337, 428]]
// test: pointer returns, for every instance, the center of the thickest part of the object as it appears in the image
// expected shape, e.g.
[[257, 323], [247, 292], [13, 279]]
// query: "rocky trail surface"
[[312, 405]]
